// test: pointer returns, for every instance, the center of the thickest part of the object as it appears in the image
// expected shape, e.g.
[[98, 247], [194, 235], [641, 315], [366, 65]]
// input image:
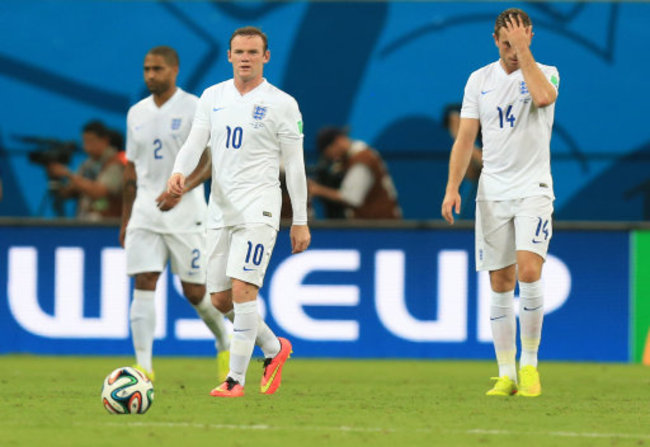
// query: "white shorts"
[[242, 252], [149, 251], [505, 227]]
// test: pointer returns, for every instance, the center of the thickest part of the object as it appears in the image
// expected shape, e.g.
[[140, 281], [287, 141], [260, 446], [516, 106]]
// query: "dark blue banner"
[[354, 293]]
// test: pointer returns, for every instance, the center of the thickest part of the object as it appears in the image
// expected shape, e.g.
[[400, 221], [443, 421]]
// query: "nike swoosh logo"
[[248, 270], [483, 92], [537, 242], [271, 379], [532, 308], [216, 109], [497, 318]]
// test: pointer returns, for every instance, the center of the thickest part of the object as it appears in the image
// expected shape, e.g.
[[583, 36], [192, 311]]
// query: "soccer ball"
[[127, 391]]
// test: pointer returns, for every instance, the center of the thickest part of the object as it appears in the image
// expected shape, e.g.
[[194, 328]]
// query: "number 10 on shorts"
[[257, 252]]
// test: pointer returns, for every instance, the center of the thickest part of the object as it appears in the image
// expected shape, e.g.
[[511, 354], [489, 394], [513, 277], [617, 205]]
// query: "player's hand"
[[176, 184], [300, 238], [167, 201], [450, 204], [516, 33]]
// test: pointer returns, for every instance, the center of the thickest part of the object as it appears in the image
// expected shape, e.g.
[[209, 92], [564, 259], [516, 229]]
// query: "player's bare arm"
[[461, 154], [519, 36], [167, 201], [128, 197]]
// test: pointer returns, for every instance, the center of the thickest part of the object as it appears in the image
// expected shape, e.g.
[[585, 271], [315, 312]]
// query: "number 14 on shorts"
[[542, 231]]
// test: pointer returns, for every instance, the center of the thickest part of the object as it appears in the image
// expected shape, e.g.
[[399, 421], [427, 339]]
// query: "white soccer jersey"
[[249, 135], [516, 134], [154, 137]]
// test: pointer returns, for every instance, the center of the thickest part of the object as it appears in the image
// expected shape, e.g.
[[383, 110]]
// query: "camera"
[[49, 150], [45, 152]]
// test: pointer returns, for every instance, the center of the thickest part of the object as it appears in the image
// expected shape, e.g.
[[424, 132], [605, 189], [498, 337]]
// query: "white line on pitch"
[[342, 428], [476, 431], [564, 434]]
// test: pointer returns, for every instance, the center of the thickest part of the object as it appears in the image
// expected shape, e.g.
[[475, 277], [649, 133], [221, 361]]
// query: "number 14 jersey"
[[516, 134]]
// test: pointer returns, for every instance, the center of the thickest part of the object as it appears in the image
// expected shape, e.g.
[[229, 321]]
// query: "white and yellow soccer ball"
[[127, 391]]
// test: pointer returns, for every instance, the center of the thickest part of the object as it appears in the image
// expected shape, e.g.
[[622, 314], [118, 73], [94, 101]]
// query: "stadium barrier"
[[362, 290]]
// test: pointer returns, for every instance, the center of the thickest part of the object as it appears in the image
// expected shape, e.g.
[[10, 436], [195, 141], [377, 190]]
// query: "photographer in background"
[[98, 182], [367, 190]]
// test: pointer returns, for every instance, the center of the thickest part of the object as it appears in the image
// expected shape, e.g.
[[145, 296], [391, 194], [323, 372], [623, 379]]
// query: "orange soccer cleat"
[[273, 368], [229, 388]]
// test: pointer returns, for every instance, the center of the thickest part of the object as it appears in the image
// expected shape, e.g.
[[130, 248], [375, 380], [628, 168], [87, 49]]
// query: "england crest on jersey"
[[259, 112], [523, 89], [176, 123]]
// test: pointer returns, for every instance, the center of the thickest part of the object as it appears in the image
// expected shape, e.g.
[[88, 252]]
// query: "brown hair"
[[250, 31], [168, 53], [505, 15]]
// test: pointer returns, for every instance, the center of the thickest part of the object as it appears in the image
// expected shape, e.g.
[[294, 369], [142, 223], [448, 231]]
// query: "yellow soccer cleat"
[[504, 386], [529, 384], [223, 365], [149, 374]]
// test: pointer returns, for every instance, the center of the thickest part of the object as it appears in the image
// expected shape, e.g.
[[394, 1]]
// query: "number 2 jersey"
[[154, 137], [249, 136], [516, 134]]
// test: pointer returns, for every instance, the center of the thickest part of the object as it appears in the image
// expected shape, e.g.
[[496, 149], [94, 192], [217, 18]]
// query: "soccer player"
[[250, 126], [512, 101], [157, 226]]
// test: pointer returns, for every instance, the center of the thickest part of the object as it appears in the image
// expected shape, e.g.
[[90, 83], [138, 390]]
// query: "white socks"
[[265, 339], [504, 330], [245, 329], [143, 324], [213, 319], [531, 315], [504, 326]]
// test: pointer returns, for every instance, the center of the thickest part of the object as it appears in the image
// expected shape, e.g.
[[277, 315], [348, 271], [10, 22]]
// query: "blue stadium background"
[[387, 69]]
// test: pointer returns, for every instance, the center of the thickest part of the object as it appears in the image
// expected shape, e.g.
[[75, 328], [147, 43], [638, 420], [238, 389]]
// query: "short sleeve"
[[470, 107], [131, 148], [553, 77]]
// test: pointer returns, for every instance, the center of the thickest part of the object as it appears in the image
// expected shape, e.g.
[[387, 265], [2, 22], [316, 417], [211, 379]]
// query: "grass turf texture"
[[55, 401]]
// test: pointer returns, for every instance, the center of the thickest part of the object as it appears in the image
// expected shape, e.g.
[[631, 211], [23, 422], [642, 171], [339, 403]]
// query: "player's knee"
[[146, 280], [194, 292], [529, 273], [503, 280], [222, 301], [243, 291]]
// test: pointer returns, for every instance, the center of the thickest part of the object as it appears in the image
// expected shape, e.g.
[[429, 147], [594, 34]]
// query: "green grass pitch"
[[55, 401]]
